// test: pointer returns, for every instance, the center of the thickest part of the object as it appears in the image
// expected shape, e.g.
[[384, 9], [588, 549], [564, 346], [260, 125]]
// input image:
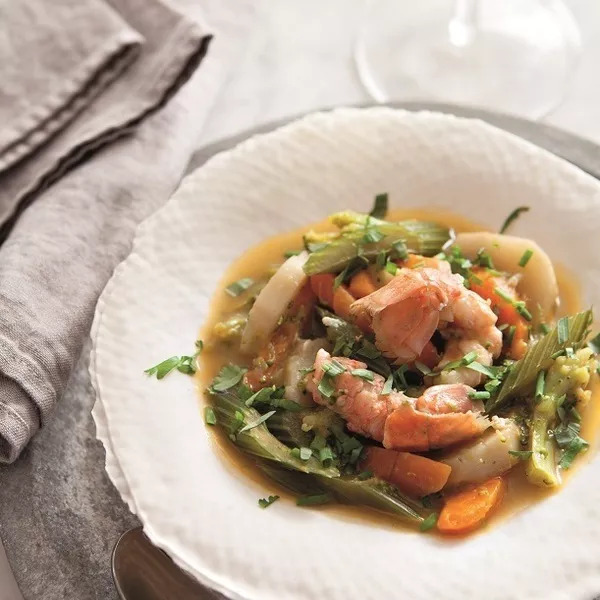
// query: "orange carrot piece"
[[468, 509], [342, 299], [413, 474], [361, 285], [507, 313], [322, 286], [416, 260]]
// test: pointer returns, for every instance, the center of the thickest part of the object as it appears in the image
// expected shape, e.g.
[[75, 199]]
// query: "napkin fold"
[[98, 67], [64, 246]]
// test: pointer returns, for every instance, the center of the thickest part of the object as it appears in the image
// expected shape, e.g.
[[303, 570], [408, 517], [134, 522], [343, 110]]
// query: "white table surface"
[[299, 59]]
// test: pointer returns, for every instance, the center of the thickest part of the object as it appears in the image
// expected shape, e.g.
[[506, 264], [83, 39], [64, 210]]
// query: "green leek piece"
[[419, 236]]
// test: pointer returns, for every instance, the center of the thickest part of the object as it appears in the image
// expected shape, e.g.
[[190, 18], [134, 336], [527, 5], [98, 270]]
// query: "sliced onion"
[[272, 302]]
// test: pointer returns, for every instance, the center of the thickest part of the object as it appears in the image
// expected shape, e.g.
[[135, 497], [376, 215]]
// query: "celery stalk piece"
[[258, 440], [541, 466], [371, 492], [539, 357], [420, 237]]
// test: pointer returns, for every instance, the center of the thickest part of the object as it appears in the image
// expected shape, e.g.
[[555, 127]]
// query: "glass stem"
[[462, 27]]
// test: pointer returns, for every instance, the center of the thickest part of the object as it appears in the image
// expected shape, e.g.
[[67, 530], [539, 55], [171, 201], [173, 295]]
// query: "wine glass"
[[514, 56]]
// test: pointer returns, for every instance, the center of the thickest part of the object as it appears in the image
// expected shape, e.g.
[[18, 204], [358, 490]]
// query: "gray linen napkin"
[[66, 244], [172, 47]]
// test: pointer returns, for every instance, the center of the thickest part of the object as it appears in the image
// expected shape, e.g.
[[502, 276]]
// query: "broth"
[[256, 262]]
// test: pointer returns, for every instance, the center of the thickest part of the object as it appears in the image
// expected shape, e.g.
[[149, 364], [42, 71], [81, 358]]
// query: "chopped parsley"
[[264, 502], [184, 364], [380, 206], [228, 377], [525, 258], [567, 437], [512, 217], [239, 287]]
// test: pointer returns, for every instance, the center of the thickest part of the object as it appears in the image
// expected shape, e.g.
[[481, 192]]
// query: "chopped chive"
[[544, 329], [423, 368], [563, 330], [513, 215], [557, 354], [209, 416], [503, 295], [240, 286], [522, 310], [540, 384], [258, 422], [381, 259], [363, 374], [334, 368], [521, 454], [372, 235], [264, 502], [325, 455], [326, 386], [387, 386], [479, 395], [391, 267], [400, 377], [525, 258], [380, 206], [305, 453], [429, 522], [368, 350], [475, 366], [510, 334], [314, 499], [472, 277], [484, 259]]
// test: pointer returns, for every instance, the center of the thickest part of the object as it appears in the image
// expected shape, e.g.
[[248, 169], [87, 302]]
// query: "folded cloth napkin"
[[97, 67], [65, 245]]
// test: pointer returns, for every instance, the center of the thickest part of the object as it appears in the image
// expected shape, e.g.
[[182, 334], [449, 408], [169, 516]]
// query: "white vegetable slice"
[[537, 284], [485, 457], [302, 357], [272, 302]]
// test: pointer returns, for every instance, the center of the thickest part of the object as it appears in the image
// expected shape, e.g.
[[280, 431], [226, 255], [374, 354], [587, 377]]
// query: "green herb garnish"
[[258, 422], [239, 287], [429, 522], [525, 258], [512, 217], [391, 267], [228, 377], [479, 395], [540, 384], [209, 416], [563, 330], [264, 502], [521, 454], [380, 206], [363, 374], [184, 364], [387, 386]]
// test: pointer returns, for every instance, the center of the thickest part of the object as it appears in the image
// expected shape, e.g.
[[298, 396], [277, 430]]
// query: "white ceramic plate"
[[159, 454]]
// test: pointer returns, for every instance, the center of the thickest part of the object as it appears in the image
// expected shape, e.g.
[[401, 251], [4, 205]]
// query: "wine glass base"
[[518, 65]]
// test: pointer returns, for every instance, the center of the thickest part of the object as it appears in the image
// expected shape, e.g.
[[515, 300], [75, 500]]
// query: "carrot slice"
[[468, 509], [322, 286], [506, 311], [413, 474], [342, 299], [361, 285]]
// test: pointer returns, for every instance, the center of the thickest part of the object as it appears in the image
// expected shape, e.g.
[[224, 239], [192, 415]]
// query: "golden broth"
[[257, 261]]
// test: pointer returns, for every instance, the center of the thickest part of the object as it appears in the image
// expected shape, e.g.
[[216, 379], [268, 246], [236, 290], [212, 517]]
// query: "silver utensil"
[[143, 572]]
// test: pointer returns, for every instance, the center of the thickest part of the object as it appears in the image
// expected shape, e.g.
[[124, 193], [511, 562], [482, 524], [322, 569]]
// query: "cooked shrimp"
[[443, 415], [358, 401], [405, 313]]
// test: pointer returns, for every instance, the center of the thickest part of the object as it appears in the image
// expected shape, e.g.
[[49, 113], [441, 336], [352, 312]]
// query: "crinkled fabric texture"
[[66, 244]]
